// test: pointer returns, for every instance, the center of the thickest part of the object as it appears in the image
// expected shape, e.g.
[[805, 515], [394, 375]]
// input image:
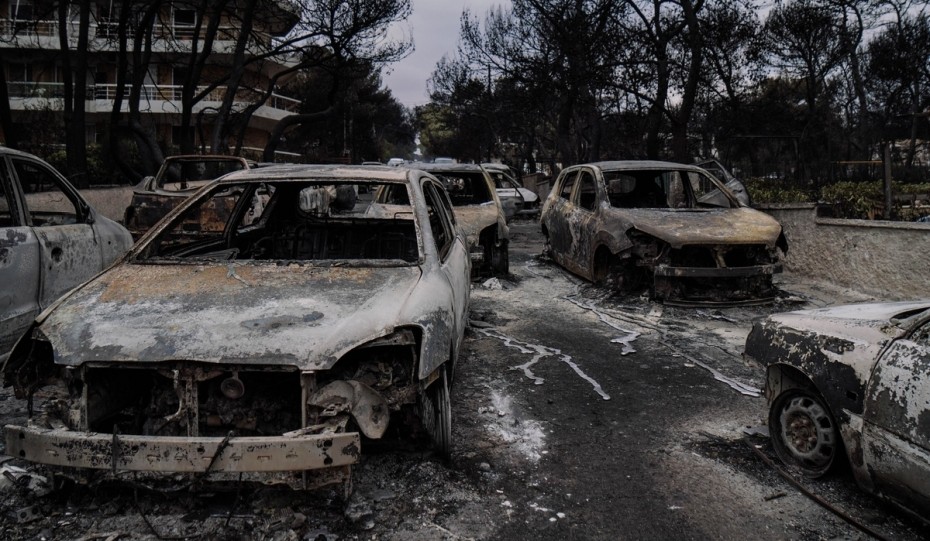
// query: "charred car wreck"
[[176, 179], [670, 227], [855, 379], [263, 350]]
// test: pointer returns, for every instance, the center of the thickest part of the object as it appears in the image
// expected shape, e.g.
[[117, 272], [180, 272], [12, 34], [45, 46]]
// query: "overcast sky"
[[435, 29]]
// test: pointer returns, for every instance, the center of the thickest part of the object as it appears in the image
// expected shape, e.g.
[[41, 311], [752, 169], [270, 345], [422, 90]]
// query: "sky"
[[434, 26]]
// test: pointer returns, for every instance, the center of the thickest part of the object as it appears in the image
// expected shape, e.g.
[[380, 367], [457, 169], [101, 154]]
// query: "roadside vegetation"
[[804, 94], [863, 200]]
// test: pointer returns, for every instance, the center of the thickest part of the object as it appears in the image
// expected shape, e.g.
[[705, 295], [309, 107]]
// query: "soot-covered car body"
[[857, 378], [478, 211], [51, 240], [177, 178], [265, 348], [667, 225]]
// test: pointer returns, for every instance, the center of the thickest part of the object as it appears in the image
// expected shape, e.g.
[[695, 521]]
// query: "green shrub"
[[862, 200], [766, 191], [866, 200]]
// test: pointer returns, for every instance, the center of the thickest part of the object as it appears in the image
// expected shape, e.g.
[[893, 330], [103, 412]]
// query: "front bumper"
[[178, 454], [715, 286], [717, 272]]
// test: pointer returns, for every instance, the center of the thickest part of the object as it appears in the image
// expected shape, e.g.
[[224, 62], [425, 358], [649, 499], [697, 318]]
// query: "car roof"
[[334, 173], [630, 165], [444, 167], [13, 152]]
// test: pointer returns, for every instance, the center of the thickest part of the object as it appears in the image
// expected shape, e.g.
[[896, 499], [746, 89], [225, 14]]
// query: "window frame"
[[432, 191], [582, 175], [571, 174], [82, 211]]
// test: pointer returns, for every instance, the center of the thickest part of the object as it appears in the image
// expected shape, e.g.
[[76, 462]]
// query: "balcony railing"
[[150, 93], [109, 30]]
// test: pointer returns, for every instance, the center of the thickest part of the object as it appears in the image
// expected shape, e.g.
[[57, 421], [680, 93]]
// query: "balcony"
[[154, 98], [43, 34]]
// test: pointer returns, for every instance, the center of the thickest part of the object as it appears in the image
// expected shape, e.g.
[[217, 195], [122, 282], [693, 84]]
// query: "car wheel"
[[803, 431], [623, 276], [500, 259], [436, 414]]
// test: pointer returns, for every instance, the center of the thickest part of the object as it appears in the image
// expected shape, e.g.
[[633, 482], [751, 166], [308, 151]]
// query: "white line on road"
[[540, 352]]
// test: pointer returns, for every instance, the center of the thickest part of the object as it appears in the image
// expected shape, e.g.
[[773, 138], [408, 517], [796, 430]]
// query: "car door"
[[583, 217], [20, 266], [559, 207], [68, 246], [453, 256], [896, 427]]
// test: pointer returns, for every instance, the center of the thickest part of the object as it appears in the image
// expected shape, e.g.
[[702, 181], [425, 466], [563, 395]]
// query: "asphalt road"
[[576, 415]]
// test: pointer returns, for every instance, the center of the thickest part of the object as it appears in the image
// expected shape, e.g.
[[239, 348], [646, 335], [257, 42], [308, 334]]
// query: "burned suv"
[[264, 348], [672, 228]]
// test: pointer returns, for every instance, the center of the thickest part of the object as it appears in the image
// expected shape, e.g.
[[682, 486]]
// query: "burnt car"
[[852, 383], [266, 349], [176, 179], [526, 202], [51, 240], [668, 227], [478, 211]]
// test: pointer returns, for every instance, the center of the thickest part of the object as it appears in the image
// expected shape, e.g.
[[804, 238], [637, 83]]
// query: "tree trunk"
[[218, 140], [197, 60], [76, 128], [10, 137], [682, 120]]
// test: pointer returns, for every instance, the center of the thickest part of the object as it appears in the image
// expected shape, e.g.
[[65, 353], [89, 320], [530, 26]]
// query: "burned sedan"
[[265, 349], [856, 379], [668, 227]]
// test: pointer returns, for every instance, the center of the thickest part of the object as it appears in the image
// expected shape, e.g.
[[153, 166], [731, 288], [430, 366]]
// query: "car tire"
[[804, 433], [436, 415], [500, 259]]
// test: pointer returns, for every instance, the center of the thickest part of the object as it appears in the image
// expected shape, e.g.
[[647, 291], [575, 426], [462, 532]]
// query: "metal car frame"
[[418, 340], [853, 388], [686, 255]]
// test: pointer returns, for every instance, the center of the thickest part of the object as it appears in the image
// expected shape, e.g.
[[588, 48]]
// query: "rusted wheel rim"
[[805, 433]]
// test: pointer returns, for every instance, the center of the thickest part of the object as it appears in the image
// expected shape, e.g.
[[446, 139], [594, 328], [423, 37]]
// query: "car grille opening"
[[189, 400]]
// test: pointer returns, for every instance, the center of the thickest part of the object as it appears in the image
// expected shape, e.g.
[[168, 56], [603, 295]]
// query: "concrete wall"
[[890, 260], [111, 202]]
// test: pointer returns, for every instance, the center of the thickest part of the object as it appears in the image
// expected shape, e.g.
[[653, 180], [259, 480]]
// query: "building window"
[[184, 21]]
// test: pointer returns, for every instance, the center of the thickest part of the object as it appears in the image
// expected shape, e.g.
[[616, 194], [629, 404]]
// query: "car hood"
[[681, 227], [851, 335], [856, 322], [302, 316], [868, 325]]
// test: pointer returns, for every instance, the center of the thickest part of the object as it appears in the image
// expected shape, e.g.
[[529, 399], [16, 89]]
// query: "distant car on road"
[[525, 202], [264, 350], [178, 178], [852, 381], [669, 227], [51, 240]]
